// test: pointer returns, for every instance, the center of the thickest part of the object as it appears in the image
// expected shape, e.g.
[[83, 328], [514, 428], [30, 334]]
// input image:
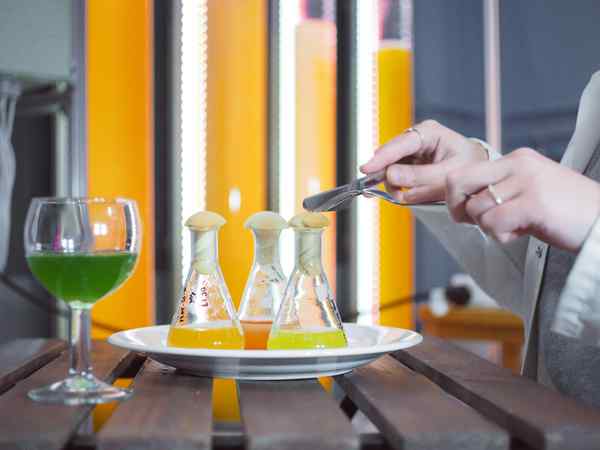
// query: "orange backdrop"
[[237, 127], [120, 144]]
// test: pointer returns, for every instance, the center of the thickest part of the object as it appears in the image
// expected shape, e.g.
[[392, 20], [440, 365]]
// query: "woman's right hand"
[[417, 168], [525, 193]]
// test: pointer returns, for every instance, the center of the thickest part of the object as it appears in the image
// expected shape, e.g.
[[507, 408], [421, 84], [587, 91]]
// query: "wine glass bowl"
[[81, 250]]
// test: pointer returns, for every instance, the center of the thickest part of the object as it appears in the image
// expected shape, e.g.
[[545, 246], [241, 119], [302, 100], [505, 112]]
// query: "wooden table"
[[479, 324], [433, 396]]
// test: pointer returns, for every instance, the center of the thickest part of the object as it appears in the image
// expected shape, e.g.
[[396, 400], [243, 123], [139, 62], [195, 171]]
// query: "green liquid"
[[81, 277], [302, 339]]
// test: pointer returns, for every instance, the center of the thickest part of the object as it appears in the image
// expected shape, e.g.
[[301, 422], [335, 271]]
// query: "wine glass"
[[81, 249]]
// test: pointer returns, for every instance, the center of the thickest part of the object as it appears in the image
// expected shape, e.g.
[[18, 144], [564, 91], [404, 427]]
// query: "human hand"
[[536, 196], [422, 165]]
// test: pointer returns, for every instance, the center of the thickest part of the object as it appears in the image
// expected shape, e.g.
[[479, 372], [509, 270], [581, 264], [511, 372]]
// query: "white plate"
[[366, 343]]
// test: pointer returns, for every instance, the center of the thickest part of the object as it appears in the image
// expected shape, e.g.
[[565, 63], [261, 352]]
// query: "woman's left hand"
[[530, 194]]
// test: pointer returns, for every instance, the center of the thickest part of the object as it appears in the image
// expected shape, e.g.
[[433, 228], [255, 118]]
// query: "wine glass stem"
[[79, 340]]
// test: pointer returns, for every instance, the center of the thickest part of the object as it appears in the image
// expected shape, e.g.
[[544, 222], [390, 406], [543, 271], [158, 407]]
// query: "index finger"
[[392, 151]]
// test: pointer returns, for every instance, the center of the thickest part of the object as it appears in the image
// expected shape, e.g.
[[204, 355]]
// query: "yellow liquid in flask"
[[203, 336], [305, 339]]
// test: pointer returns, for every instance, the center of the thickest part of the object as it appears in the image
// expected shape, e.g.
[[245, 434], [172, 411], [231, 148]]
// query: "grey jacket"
[[512, 273]]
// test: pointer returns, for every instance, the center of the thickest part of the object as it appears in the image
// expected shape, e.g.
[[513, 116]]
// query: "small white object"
[[314, 186], [100, 229], [235, 200], [67, 244], [365, 344], [438, 303]]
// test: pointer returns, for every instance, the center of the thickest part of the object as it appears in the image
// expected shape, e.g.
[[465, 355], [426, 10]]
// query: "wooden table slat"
[[168, 410], [531, 412], [21, 357], [414, 414], [25, 424], [432, 396], [293, 415]]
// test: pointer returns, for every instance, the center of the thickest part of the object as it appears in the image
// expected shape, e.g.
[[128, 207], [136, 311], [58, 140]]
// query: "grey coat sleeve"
[[578, 311]]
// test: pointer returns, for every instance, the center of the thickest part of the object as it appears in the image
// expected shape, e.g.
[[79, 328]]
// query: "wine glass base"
[[79, 390]]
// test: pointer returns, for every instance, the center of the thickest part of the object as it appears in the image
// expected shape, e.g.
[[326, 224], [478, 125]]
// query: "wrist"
[[481, 153], [485, 150]]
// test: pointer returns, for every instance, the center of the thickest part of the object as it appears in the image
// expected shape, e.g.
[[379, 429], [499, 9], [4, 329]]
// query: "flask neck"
[[266, 246], [205, 251], [308, 251]]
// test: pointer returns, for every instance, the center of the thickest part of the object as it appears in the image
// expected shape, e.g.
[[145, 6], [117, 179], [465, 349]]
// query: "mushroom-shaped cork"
[[205, 220], [266, 220], [309, 220]]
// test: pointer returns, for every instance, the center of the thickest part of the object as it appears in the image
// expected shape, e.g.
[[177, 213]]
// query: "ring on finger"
[[495, 195], [419, 133]]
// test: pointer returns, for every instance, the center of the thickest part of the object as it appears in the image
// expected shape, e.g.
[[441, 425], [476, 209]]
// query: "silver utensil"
[[341, 196]]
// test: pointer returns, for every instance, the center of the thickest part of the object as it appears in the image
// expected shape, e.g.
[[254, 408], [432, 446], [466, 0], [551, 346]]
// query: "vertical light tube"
[[78, 126], [367, 217], [192, 115], [491, 53], [289, 16], [175, 240]]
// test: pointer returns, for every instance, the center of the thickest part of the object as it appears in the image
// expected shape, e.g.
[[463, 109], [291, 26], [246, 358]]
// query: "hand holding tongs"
[[341, 196]]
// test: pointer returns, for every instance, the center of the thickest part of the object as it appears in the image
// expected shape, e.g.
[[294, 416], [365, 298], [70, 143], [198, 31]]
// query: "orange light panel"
[[120, 147]]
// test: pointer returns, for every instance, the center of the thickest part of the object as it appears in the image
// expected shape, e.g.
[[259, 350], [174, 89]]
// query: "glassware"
[[205, 317], [395, 108], [308, 317], [81, 249], [266, 283]]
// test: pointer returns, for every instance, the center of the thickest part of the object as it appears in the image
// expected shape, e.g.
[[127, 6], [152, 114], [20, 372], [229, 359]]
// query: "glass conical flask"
[[308, 317], [266, 282], [205, 317]]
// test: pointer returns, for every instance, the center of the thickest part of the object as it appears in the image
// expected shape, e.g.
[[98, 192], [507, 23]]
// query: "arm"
[[417, 167]]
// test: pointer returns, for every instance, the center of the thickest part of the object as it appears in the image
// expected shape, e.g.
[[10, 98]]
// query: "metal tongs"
[[340, 197]]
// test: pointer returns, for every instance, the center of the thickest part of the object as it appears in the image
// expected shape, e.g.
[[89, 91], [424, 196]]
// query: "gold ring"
[[495, 195], [419, 133]]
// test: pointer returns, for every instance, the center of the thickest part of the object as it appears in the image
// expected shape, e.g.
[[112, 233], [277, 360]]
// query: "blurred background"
[[238, 106]]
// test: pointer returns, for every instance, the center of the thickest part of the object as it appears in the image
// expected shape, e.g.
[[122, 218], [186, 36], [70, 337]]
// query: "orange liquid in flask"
[[256, 334]]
